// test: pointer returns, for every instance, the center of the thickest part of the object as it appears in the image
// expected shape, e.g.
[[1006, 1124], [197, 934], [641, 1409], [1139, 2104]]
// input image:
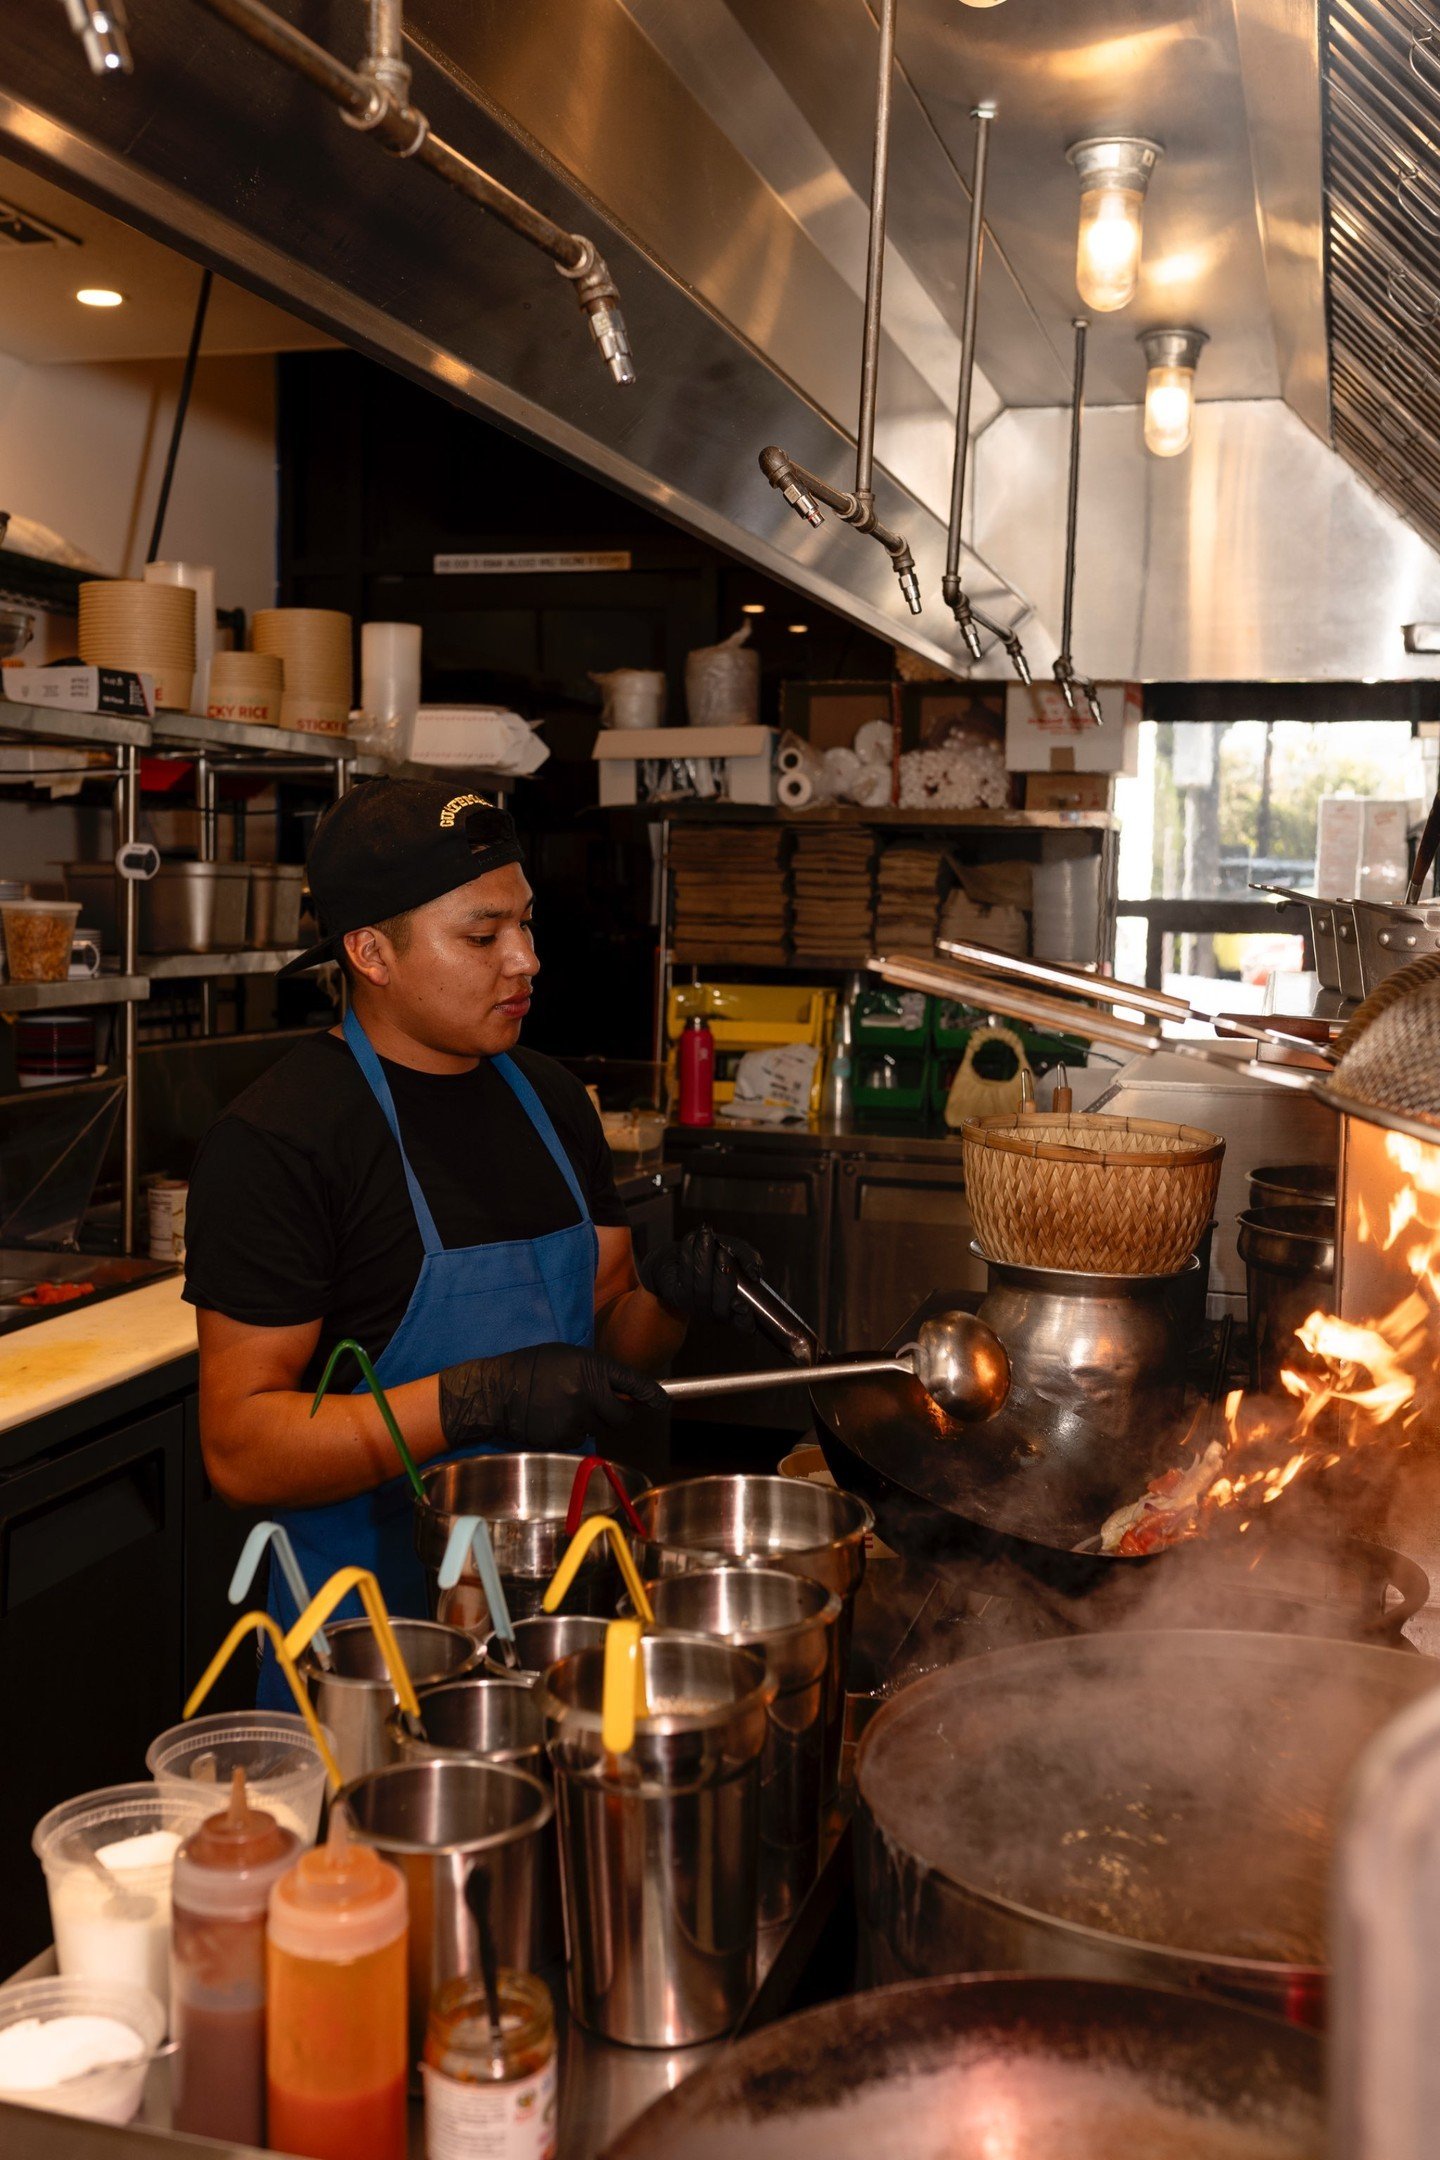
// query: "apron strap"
[[369, 1063], [539, 1117]]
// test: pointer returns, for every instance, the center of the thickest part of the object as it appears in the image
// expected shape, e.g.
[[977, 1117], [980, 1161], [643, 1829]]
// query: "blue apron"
[[472, 1301]]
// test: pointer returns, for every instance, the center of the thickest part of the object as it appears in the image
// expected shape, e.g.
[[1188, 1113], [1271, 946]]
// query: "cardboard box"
[[1068, 791], [748, 754], [830, 714], [81, 690], [1042, 735]]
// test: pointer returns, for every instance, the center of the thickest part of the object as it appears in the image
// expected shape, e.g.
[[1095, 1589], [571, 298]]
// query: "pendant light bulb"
[[1113, 178], [1170, 357]]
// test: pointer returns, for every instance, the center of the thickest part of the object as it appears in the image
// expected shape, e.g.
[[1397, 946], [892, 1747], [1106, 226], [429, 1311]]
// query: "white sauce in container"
[[96, 1936]]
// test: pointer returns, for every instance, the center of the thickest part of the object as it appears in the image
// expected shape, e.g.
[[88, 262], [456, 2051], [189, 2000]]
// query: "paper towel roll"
[[790, 759], [874, 742], [795, 790], [871, 787]]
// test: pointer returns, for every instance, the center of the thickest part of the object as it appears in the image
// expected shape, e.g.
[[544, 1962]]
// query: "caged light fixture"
[[1114, 173], [1171, 357]]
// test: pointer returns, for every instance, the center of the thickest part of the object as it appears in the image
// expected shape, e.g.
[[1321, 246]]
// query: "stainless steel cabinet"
[[901, 1231]]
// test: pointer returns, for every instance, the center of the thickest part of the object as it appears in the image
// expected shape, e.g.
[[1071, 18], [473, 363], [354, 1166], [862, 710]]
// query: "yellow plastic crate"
[[751, 1016]]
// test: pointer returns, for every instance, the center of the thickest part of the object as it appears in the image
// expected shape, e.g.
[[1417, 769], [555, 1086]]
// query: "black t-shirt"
[[298, 1207]]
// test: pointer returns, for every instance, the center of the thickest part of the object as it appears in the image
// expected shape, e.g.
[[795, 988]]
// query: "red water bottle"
[[697, 1073]]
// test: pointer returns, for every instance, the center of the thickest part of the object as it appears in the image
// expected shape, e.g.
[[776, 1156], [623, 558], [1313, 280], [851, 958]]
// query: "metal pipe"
[[368, 102], [875, 254], [983, 116], [803, 490], [101, 27], [1065, 674], [127, 806]]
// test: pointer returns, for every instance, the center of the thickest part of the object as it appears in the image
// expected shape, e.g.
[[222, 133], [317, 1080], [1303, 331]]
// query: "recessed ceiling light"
[[99, 296], [798, 629], [752, 607]]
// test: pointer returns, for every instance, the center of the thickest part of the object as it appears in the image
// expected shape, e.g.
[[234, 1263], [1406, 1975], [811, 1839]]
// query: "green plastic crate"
[[875, 1022], [908, 1095]]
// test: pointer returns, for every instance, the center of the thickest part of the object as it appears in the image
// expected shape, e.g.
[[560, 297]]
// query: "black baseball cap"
[[390, 845]]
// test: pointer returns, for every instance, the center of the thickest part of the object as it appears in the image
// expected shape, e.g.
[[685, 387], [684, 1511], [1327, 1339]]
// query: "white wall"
[[82, 448]]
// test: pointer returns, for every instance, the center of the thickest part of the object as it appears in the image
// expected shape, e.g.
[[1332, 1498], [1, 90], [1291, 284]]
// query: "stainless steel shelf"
[[851, 814], [194, 731], [199, 967], [43, 723], [67, 996]]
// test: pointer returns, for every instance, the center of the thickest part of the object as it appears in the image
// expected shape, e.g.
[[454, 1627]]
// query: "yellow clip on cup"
[[596, 1526], [323, 1604], [623, 1698], [260, 1623]]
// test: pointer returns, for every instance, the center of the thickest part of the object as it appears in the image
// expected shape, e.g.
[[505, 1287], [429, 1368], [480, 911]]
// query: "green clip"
[[367, 1371]]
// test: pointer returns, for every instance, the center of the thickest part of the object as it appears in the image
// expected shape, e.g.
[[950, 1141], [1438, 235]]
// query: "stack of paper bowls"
[[150, 629], [246, 686], [316, 646]]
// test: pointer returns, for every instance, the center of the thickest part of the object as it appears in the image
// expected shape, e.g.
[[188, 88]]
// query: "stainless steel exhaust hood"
[[719, 153]]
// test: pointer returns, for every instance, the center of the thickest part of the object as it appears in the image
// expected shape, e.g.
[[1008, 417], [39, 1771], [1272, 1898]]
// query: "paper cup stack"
[[246, 686], [315, 645], [126, 623]]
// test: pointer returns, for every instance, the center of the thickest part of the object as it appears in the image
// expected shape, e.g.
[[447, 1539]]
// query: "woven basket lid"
[[1392, 1075]]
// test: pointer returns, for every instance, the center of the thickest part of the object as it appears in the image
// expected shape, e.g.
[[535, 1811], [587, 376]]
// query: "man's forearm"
[[638, 1330], [267, 1451]]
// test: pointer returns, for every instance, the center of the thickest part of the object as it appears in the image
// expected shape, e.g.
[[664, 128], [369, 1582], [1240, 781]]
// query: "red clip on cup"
[[585, 1470]]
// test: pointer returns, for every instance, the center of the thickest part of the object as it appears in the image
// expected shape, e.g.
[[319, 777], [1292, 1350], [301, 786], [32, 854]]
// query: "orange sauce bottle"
[[336, 2032]]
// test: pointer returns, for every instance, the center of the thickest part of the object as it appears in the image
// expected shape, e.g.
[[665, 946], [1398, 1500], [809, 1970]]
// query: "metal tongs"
[[970, 618], [1075, 689], [1017, 988]]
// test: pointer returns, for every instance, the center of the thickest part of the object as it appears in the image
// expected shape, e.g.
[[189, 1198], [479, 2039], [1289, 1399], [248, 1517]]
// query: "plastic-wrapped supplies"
[[966, 774], [483, 736], [722, 683]]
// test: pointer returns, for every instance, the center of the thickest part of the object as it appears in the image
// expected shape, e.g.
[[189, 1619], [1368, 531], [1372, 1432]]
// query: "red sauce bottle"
[[224, 1873], [696, 1059], [337, 2039]]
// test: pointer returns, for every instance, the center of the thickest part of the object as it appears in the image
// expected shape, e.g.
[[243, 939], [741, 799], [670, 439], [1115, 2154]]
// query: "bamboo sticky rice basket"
[[1092, 1194]]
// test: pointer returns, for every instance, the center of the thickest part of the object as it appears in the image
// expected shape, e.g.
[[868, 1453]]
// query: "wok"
[[966, 2069], [1156, 1807]]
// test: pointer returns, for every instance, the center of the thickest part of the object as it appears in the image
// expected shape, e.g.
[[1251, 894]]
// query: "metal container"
[[1390, 934], [355, 1699], [476, 1717], [1156, 1807], [541, 1641], [791, 1624], [1347, 950], [523, 1498], [276, 890], [195, 907], [1283, 1184], [438, 1822], [1289, 1256], [1097, 1374], [776, 1522], [1324, 946], [659, 1848]]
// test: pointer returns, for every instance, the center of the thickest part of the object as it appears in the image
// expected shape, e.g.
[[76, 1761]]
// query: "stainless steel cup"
[[541, 1641], [523, 1499], [477, 1716], [356, 1698], [767, 1522], [659, 1847], [439, 1821], [791, 1623]]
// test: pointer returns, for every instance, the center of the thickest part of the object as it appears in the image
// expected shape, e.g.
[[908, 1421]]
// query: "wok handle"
[[778, 1321], [755, 1383], [1098, 989], [1425, 853]]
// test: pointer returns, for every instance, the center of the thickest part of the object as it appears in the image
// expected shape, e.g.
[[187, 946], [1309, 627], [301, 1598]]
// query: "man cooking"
[[413, 1181]]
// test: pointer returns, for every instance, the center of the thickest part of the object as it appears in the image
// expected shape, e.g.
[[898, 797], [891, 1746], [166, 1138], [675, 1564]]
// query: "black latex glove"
[[553, 1395], [697, 1276]]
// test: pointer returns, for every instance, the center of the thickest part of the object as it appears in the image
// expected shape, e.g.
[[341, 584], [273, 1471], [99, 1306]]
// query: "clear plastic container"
[[283, 1770], [37, 938], [97, 1936], [112, 2091]]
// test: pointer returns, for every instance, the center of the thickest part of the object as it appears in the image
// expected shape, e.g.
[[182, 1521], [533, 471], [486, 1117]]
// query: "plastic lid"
[[339, 1901], [230, 1862]]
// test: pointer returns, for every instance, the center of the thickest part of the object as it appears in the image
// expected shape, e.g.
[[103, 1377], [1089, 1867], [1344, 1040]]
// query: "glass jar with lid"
[[490, 2096]]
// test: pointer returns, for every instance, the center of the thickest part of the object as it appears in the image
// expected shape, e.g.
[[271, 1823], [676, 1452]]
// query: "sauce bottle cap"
[[339, 1901], [230, 1861]]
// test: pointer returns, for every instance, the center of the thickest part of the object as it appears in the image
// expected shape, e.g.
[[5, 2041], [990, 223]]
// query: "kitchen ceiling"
[[41, 321]]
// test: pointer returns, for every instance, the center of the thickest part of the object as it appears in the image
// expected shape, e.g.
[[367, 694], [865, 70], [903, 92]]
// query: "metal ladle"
[[959, 1361]]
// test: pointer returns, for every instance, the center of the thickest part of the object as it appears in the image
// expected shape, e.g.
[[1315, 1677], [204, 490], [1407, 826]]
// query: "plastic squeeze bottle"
[[696, 1059], [224, 1873], [337, 2041]]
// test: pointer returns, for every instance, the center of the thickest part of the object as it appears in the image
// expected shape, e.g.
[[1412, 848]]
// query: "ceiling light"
[[981, 3], [1171, 357], [99, 296], [1114, 175], [752, 607], [798, 629]]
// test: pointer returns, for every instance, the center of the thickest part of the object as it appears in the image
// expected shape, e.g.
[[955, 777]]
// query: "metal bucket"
[[1289, 1256], [474, 1718], [1391, 934], [523, 1498], [1311, 1184], [1155, 1807], [1347, 951], [791, 1623], [541, 1641], [356, 1699], [438, 1821], [777, 1522], [659, 1848]]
